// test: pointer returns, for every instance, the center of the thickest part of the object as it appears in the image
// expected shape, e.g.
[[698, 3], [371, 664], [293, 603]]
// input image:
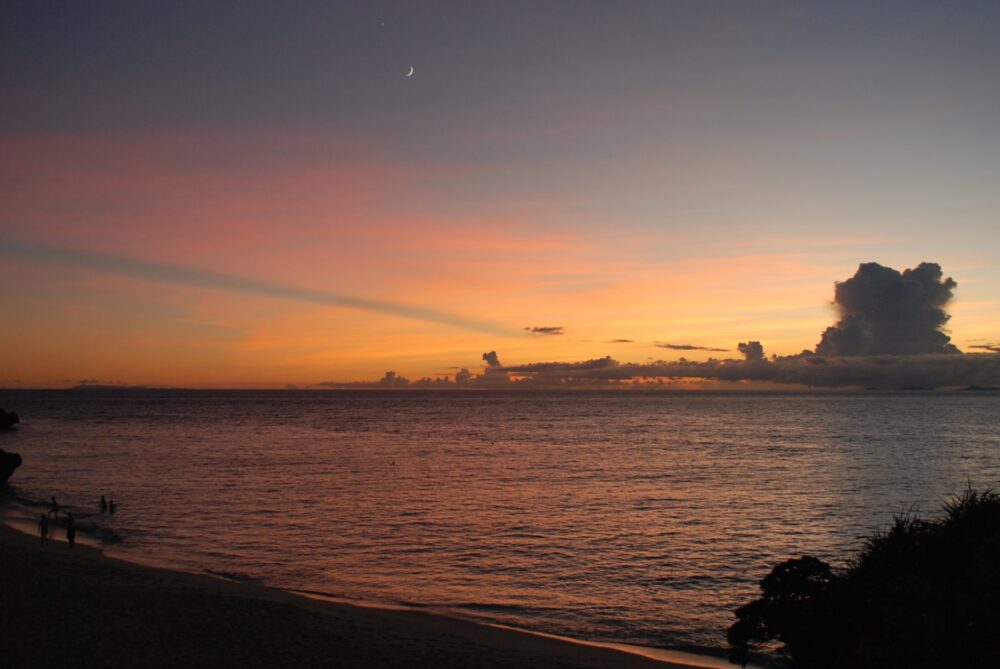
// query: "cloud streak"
[[546, 330], [691, 347], [188, 276]]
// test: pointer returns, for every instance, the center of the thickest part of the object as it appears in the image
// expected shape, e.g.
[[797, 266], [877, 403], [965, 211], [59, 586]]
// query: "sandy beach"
[[62, 607]]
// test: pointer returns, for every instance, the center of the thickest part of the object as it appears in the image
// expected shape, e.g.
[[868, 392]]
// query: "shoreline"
[[439, 639]]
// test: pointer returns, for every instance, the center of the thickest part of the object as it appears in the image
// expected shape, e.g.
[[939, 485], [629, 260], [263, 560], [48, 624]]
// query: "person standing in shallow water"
[[70, 530], [54, 509], [104, 504], [43, 528]]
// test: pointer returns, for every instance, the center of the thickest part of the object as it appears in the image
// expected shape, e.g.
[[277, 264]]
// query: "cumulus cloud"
[[545, 330], [493, 376], [889, 335], [428, 382], [751, 350], [884, 311], [690, 347], [391, 380]]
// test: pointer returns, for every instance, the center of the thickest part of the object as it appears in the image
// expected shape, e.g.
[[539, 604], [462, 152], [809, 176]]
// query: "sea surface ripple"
[[637, 517]]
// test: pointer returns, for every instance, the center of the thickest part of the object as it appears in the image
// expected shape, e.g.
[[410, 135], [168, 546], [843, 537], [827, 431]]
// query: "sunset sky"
[[696, 173]]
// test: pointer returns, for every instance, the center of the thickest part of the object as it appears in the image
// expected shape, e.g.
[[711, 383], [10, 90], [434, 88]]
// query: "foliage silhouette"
[[919, 594]]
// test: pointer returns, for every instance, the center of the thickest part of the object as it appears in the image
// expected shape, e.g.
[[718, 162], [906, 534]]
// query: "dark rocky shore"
[[8, 461]]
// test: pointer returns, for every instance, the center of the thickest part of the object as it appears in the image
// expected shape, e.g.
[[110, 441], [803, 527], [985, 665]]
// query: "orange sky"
[[661, 176], [330, 226]]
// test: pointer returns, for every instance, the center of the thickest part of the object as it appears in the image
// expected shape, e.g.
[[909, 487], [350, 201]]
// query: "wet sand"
[[62, 607]]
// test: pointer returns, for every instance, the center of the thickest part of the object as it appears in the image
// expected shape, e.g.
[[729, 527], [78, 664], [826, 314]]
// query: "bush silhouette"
[[919, 594]]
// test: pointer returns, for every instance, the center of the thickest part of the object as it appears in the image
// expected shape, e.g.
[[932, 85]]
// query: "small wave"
[[102, 533], [87, 523], [487, 607], [25, 501], [493, 608], [236, 576]]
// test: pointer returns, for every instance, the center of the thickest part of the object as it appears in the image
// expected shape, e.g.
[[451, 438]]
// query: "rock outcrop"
[[8, 463], [8, 419]]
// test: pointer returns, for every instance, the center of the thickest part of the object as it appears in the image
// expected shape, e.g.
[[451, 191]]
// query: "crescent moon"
[[410, 73]]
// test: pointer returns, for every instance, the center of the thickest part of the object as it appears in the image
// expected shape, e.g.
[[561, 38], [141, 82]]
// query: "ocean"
[[632, 516]]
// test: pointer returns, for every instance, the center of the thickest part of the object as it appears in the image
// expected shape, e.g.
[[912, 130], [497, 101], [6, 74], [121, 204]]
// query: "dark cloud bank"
[[883, 311], [890, 334]]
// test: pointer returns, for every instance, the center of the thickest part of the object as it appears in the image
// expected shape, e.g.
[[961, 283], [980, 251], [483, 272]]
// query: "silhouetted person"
[[112, 506], [54, 508], [104, 504], [43, 527], [70, 529]]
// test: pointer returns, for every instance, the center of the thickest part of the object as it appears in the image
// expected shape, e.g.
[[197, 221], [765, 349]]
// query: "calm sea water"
[[626, 516]]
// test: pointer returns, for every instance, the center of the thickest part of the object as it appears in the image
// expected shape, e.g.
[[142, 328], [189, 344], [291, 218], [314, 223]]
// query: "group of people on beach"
[[107, 506], [70, 523]]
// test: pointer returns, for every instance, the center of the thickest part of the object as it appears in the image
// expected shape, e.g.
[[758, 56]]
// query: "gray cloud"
[[391, 380], [99, 384], [621, 341], [560, 368], [884, 311], [690, 347], [751, 350], [492, 361], [427, 382], [494, 376], [889, 335], [920, 305], [175, 274], [890, 372], [546, 330]]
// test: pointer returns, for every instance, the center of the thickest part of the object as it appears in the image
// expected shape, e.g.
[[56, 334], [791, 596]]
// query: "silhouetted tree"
[[920, 594]]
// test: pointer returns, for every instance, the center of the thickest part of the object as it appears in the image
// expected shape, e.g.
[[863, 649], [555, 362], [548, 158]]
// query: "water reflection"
[[625, 516]]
